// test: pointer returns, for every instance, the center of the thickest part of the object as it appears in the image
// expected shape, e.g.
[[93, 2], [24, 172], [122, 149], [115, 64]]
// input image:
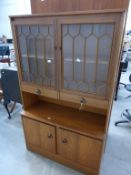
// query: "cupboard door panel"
[[89, 152], [40, 134], [37, 55], [81, 149], [67, 144], [31, 129], [47, 137], [86, 52]]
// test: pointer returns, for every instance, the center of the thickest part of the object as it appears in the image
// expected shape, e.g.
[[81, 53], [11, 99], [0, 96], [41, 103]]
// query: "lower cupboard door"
[[67, 142], [47, 137], [31, 130], [89, 152]]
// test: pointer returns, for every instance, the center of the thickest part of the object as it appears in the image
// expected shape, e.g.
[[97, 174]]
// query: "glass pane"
[[99, 29], [104, 48], [86, 56], [23, 49], [68, 57], [78, 57], [36, 44], [91, 49]]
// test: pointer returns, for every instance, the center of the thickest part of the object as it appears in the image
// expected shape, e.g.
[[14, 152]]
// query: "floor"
[[15, 159]]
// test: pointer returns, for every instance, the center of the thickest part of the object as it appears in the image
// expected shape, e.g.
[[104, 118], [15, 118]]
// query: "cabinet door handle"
[[82, 103], [55, 47], [64, 141], [50, 136], [38, 91], [60, 48]]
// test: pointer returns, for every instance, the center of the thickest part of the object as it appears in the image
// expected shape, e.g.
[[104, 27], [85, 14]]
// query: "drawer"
[[46, 92], [87, 101]]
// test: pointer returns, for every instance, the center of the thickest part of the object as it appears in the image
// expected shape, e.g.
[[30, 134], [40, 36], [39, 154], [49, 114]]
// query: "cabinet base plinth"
[[61, 160]]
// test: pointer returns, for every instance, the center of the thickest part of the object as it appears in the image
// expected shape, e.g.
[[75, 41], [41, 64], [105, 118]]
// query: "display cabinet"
[[67, 66]]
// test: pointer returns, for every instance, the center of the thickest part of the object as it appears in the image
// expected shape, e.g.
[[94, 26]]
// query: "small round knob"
[[50, 136], [83, 100], [64, 141], [82, 103], [55, 47], [38, 91], [60, 48]]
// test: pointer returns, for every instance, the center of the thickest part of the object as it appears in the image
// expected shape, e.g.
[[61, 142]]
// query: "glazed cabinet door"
[[37, 56], [86, 56]]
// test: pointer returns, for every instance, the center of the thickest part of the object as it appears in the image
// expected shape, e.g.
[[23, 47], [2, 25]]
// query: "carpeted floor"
[[15, 159]]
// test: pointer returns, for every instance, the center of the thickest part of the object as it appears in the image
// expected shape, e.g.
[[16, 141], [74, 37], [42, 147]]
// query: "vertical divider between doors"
[[56, 53], [59, 51]]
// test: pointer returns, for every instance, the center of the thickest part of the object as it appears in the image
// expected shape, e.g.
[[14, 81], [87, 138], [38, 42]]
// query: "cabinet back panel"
[[49, 6]]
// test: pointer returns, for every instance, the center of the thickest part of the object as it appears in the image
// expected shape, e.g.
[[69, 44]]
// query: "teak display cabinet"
[[67, 66]]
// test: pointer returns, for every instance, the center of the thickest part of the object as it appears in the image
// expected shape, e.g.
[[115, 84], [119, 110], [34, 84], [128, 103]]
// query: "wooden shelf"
[[88, 61], [82, 122], [38, 57]]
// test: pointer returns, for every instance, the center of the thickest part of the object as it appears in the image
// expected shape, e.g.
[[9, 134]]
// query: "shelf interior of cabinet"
[[82, 122]]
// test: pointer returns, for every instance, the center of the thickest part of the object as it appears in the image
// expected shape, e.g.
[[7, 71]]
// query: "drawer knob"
[[55, 47], [38, 91], [50, 136], [82, 103], [64, 141]]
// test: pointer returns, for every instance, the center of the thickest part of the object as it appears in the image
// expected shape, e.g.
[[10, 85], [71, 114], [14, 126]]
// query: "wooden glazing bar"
[[84, 59], [28, 54], [36, 56], [97, 61]]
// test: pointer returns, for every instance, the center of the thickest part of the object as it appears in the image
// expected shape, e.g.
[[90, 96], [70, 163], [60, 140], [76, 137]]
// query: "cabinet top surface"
[[69, 13], [83, 122]]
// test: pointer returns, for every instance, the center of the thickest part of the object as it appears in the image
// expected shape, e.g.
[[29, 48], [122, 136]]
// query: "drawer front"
[[89, 152], [45, 92], [31, 130], [47, 137], [67, 144], [86, 101]]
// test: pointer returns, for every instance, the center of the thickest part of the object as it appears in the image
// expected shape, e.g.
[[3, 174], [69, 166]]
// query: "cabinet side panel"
[[115, 67]]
